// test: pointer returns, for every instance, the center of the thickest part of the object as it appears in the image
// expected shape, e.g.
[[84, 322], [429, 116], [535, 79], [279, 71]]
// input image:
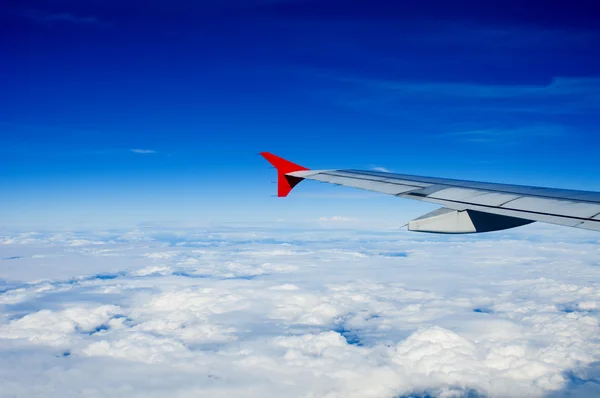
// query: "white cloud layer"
[[253, 312]]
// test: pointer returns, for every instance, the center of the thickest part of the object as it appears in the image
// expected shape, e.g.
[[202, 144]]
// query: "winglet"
[[285, 183]]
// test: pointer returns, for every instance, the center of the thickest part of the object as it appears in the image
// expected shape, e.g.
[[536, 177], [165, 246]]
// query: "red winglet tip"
[[285, 183], [281, 164]]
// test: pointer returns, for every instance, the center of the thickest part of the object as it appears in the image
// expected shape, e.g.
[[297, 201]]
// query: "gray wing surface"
[[471, 206]]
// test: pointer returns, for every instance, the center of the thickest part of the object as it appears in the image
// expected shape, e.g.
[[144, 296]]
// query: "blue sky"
[[123, 112]]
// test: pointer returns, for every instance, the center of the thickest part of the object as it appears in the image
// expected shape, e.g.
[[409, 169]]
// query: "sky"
[[121, 113]]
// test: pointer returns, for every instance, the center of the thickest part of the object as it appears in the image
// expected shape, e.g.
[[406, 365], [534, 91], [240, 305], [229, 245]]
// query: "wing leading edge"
[[468, 206]]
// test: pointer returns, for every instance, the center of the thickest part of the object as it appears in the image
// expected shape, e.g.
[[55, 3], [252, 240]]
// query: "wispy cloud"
[[337, 219], [561, 96], [144, 151], [64, 17], [475, 112], [506, 135], [71, 18], [379, 168], [559, 86]]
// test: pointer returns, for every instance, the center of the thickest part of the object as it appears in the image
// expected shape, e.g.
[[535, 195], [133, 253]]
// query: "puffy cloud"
[[84, 242], [22, 238], [161, 255], [59, 328], [307, 313], [138, 347]]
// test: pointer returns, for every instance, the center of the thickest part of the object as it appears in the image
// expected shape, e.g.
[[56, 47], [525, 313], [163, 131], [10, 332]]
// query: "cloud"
[[137, 347], [379, 168], [84, 242], [64, 18], [337, 219], [250, 311], [557, 87], [58, 328], [21, 238], [70, 18], [144, 151], [506, 135], [560, 96]]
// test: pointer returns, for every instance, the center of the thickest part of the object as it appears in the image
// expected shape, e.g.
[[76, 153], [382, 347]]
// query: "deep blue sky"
[[501, 92]]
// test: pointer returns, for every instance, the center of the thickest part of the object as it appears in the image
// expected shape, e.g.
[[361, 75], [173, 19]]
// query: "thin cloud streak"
[[381, 169], [506, 135], [561, 96], [64, 17], [337, 219], [144, 151]]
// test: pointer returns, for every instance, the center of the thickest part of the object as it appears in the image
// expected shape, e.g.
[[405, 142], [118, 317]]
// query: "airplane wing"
[[468, 206]]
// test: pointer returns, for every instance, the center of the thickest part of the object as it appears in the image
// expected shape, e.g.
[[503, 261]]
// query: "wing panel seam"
[[508, 201], [517, 210]]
